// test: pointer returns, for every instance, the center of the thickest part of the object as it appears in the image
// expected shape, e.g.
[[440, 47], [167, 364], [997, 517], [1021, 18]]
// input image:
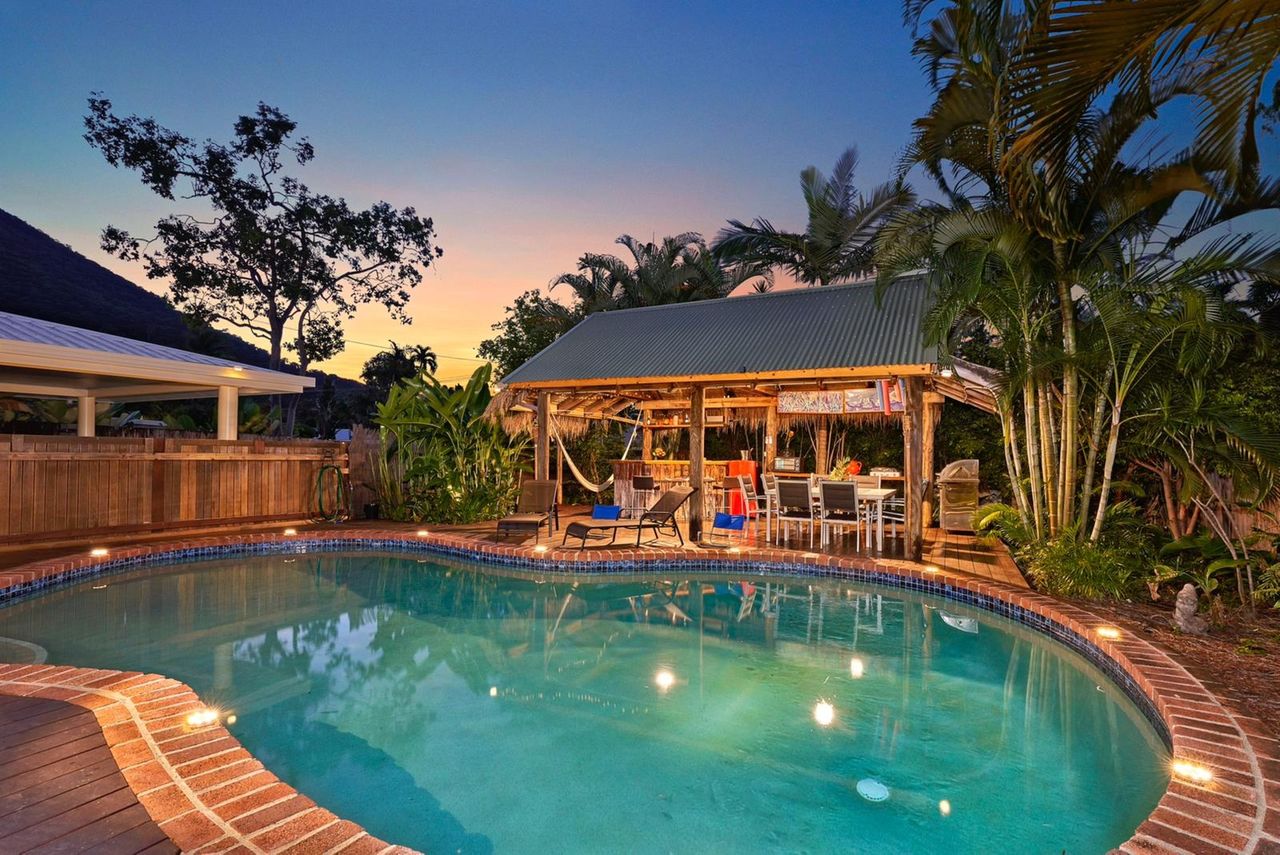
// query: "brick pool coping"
[[210, 795]]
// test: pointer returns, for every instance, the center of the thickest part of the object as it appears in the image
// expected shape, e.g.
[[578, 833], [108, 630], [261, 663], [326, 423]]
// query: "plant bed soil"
[[1239, 659]]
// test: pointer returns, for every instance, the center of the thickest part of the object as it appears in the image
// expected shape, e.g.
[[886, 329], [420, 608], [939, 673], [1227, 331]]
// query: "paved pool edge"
[[203, 810]]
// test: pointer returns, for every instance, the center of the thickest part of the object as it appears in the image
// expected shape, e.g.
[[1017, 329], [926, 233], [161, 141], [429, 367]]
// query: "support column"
[[697, 423], [646, 443], [542, 439], [913, 466], [820, 462], [929, 429], [87, 416], [228, 412], [770, 437]]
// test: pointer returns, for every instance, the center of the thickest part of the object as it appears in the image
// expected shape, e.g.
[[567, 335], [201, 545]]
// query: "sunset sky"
[[530, 134]]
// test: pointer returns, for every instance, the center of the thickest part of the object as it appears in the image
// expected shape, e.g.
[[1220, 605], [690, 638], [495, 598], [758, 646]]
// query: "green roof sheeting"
[[799, 329]]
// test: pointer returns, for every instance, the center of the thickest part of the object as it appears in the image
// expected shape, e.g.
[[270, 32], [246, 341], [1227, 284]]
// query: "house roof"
[[46, 359], [793, 332]]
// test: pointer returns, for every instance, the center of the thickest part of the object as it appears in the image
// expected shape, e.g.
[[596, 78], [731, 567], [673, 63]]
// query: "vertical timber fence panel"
[[59, 487]]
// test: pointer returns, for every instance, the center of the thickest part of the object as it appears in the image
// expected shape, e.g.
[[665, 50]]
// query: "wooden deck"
[[985, 558], [61, 790]]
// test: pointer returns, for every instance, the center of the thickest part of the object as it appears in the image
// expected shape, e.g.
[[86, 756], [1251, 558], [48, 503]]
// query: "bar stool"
[[643, 489]]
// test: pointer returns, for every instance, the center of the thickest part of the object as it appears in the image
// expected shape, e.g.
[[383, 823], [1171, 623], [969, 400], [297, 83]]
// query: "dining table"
[[871, 496]]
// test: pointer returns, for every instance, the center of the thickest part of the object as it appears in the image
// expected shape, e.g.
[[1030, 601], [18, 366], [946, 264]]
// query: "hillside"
[[45, 279]]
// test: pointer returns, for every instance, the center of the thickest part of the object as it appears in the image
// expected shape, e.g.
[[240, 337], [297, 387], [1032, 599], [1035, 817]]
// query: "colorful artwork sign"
[[830, 403]]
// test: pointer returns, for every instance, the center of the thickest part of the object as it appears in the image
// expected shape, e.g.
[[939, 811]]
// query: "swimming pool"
[[455, 706]]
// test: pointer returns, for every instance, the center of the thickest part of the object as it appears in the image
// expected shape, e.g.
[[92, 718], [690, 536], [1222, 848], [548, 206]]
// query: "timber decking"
[[60, 788]]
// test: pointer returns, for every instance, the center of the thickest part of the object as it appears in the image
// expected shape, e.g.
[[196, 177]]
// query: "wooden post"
[[542, 439], [646, 443], [87, 416], [929, 428], [820, 462], [913, 466], [770, 437], [228, 413], [697, 421]]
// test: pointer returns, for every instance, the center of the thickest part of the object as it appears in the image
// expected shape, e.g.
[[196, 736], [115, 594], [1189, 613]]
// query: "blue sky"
[[530, 132]]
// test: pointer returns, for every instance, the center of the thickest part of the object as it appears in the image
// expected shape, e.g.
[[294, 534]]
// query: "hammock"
[[577, 473]]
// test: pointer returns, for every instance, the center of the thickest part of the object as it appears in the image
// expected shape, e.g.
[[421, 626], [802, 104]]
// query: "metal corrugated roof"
[[34, 331], [800, 329]]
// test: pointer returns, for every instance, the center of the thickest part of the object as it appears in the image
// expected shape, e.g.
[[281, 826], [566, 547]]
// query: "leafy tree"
[[262, 252], [386, 368], [836, 245], [532, 323]]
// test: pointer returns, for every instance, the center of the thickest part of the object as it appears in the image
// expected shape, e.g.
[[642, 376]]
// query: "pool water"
[[458, 708]]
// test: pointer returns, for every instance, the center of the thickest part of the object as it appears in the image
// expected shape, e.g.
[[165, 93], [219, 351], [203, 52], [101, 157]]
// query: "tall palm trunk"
[[1048, 469], [1091, 461], [1108, 466], [1070, 386], [1012, 463], [1030, 417]]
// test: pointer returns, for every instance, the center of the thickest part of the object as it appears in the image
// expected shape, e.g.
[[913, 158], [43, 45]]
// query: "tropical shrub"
[[1067, 566], [442, 459]]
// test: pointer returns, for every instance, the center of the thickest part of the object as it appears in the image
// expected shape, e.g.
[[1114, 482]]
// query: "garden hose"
[[341, 511]]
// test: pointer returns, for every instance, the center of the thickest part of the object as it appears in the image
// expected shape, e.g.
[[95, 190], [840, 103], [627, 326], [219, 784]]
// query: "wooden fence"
[[60, 487]]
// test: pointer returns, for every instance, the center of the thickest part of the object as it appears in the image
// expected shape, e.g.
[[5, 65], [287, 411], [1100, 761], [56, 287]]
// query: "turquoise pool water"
[[457, 708]]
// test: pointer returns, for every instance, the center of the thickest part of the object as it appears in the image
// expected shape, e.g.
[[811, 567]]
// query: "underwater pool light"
[[493, 691], [856, 667], [824, 713], [944, 807], [664, 679]]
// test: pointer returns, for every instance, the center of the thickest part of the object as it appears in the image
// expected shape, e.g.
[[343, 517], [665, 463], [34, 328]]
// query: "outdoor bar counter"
[[667, 474]]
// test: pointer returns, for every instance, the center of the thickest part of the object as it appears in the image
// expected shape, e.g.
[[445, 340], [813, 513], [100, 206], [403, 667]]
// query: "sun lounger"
[[660, 518], [535, 508]]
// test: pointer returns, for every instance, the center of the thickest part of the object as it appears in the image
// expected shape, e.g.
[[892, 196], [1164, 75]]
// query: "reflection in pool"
[[460, 708]]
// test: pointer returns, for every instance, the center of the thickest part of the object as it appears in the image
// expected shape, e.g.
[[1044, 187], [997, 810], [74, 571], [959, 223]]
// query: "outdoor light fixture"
[[946, 372], [1192, 771], [541, 547], [944, 807], [422, 532], [856, 667], [99, 552], [824, 713], [290, 531], [231, 719], [202, 717], [1109, 632], [932, 569]]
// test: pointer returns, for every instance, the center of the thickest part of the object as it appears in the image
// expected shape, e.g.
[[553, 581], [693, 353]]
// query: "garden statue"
[[1184, 612]]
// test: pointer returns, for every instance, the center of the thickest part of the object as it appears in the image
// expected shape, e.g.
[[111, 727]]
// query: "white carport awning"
[[48, 360]]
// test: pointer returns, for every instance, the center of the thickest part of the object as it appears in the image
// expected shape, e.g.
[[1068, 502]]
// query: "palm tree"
[[1221, 51], [677, 269], [836, 245], [385, 368], [1080, 225]]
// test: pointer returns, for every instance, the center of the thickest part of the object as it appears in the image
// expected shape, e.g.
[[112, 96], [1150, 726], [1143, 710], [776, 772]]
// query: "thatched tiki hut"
[[815, 354]]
